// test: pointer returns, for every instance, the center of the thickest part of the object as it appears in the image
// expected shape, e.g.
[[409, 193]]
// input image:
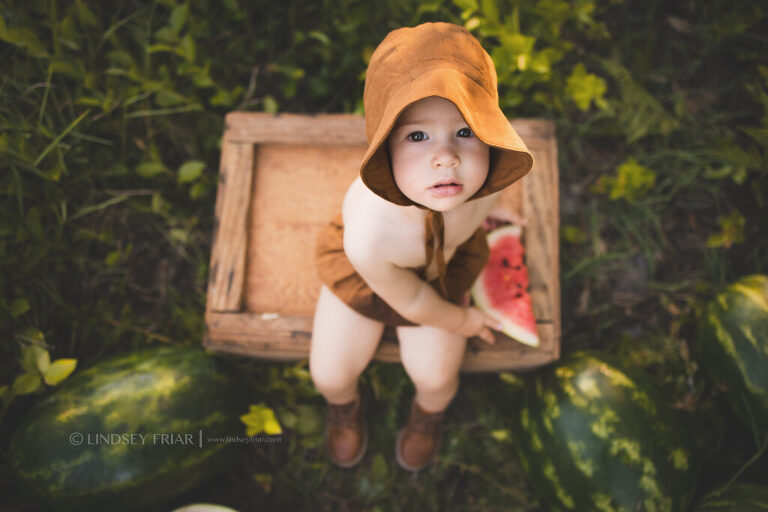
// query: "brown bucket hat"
[[445, 60]]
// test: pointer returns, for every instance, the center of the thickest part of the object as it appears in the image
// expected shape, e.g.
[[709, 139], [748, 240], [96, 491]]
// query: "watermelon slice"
[[501, 290]]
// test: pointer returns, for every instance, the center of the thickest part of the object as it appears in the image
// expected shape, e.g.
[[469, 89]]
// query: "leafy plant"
[[732, 231], [38, 369], [261, 418], [631, 182]]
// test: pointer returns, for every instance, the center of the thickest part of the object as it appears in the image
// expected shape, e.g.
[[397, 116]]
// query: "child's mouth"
[[446, 189]]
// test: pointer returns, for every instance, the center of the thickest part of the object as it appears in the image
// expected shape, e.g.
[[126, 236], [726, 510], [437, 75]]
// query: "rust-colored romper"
[[342, 279]]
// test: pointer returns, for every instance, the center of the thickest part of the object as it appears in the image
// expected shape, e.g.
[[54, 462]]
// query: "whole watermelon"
[[732, 346], [736, 498], [590, 437], [129, 431]]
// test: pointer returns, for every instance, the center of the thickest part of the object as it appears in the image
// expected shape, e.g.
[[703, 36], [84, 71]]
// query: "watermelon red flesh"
[[501, 290]]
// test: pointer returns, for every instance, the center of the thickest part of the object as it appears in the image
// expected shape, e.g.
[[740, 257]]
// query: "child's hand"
[[477, 323]]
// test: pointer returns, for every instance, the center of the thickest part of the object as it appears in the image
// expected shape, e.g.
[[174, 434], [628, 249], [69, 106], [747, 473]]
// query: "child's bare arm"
[[413, 298], [466, 321]]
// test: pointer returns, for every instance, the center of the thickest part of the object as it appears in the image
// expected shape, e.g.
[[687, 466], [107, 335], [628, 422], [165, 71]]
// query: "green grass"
[[104, 243]]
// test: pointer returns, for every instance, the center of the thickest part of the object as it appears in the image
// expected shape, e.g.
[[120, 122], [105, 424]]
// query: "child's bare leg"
[[343, 343], [432, 358]]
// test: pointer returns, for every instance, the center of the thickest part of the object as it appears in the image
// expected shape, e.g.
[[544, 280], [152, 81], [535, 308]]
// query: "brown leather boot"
[[346, 435], [419, 441]]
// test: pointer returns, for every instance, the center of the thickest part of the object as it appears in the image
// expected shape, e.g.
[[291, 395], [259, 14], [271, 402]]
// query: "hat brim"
[[510, 159]]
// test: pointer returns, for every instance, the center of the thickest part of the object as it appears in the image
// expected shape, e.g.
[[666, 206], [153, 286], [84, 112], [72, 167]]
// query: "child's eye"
[[464, 132], [416, 136]]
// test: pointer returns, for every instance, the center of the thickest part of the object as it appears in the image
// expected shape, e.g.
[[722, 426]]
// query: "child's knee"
[[329, 377], [435, 380]]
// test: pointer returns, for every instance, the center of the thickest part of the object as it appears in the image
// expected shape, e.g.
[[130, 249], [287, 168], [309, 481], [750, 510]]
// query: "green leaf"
[[298, 371], [27, 383], [632, 182], [60, 137], [472, 23], [23, 38], [6, 395], [71, 68], [308, 421], [158, 203], [732, 231], [584, 88], [638, 112], [316, 34], [468, 7], [167, 36], [573, 234], [179, 17], [261, 418], [198, 190], [222, 98], [379, 468], [32, 335], [179, 237], [34, 358], [19, 307], [202, 77], [169, 98], [150, 169], [100, 206], [160, 48], [270, 105], [59, 370], [85, 15], [518, 43], [113, 258], [190, 170], [511, 379], [501, 434], [187, 48], [490, 10], [465, 4]]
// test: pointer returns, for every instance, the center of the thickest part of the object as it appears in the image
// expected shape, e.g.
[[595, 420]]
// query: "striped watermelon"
[[732, 345], [82, 446], [736, 498], [591, 438]]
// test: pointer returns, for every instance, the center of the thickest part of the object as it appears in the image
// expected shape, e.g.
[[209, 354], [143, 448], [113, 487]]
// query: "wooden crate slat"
[[287, 338], [321, 129], [227, 268]]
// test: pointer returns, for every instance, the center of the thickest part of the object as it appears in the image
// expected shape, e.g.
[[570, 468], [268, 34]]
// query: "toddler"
[[408, 245]]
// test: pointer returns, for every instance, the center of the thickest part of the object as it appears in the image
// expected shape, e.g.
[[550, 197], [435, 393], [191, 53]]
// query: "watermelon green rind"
[[590, 437], [156, 391], [732, 346], [736, 498], [483, 301]]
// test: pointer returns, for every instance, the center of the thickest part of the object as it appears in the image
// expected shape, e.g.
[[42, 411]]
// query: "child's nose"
[[445, 156]]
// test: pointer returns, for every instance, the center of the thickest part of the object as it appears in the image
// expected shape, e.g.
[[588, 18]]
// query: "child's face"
[[437, 160]]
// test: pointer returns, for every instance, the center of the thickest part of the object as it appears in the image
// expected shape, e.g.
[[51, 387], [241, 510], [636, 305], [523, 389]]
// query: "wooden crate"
[[282, 178]]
